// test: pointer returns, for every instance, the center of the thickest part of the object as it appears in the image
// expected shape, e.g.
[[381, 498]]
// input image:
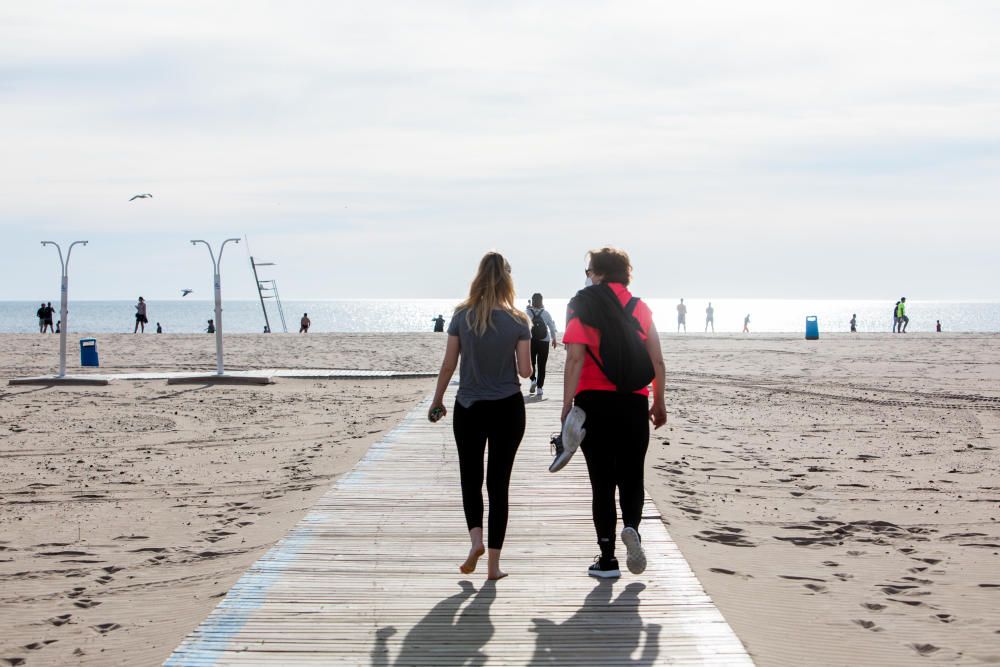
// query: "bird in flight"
[[185, 292], [142, 196]]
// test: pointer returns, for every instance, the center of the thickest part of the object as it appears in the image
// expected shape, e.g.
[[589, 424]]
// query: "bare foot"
[[499, 574], [469, 566]]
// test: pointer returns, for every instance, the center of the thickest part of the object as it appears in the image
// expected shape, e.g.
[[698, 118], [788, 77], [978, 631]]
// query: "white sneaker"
[[539, 393], [570, 439], [636, 559], [531, 390]]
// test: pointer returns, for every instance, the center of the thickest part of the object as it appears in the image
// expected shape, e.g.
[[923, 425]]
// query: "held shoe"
[[636, 559], [570, 439], [604, 568]]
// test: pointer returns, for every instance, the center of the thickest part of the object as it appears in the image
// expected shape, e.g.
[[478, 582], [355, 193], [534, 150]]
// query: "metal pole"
[[63, 300], [217, 280], [267, 324]]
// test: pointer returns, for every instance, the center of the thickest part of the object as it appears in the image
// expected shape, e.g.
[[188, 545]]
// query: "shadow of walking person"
[[444, 635], [604, 631]]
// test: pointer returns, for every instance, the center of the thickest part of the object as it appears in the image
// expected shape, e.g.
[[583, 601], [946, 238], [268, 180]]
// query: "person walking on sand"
[[710, 317], [140, 316], [49, 315], [304, 323], [854, 323], [902, 320], [682, 312], [211, 327], [438, 324], [746, 324], [605, 319], [938, 327], [895, 317], [41, 318], [159, 329], [543, 334], [493, 341]]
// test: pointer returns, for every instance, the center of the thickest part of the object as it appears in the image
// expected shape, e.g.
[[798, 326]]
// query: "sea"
[[415, 315]]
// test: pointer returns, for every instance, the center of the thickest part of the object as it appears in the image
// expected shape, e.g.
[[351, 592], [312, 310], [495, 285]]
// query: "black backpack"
[[538, 329], [624, 358]]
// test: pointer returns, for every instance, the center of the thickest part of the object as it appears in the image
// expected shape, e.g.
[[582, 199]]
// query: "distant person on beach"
[[746, 324], [47, 324], [604, 317], [41, 318], [895, 317], [854, 323], [438, 324], [59, 326], [902, 320], [543, 334], [493, 340], [710, 317], [140, 315], [304, 323], [159, 329], [939, 326], [682, 312], [211, 327]]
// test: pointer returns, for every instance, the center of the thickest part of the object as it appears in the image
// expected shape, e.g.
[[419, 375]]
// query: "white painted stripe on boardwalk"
[[370, 577]]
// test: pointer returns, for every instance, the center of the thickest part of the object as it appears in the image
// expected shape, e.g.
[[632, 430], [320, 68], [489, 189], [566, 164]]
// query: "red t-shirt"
[[591, 377]]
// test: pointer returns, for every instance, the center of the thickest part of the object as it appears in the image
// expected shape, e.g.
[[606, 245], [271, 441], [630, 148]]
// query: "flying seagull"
[[142, 196], [185, 292]]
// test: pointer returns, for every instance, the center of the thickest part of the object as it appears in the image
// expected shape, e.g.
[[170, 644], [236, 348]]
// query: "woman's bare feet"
[[494, 567], [469, 566]]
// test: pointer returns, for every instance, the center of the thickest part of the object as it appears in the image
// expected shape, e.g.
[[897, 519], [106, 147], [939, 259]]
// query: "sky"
[[373, 150]]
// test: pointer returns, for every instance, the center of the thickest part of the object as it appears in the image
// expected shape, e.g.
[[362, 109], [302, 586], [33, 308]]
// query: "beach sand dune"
[[839, 499]]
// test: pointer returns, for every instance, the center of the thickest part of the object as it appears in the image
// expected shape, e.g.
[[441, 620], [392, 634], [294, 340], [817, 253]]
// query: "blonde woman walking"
[[492, 340]]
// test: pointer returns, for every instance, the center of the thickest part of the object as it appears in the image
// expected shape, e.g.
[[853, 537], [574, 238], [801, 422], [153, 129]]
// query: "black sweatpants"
[[539, 357], [615, 449], [501, 423]]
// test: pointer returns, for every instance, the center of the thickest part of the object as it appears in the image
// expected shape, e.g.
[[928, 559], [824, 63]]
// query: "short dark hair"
[[612, 263], [536, 300]]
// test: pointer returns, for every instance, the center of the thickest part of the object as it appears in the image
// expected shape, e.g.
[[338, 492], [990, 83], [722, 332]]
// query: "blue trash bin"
[[88, 352], [812, 328]]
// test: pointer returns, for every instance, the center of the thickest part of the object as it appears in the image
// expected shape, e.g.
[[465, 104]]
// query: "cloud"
[[402, 139]]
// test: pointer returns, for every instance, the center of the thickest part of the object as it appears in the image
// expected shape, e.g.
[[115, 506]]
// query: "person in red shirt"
[[617, 424]]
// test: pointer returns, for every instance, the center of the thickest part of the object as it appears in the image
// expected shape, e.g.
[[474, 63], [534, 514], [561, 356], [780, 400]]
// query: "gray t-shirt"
[[487, 369]]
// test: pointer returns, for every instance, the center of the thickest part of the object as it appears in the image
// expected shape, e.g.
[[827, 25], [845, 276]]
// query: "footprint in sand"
[[14, 660], [873, 606], [925, 649], [34, 646], [944, 618], [86, 604], [59, 620], [867, 625], [104, 628]]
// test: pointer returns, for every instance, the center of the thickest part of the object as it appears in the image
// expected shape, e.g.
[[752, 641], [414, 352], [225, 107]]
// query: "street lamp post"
[[64, 297], [216, 263]]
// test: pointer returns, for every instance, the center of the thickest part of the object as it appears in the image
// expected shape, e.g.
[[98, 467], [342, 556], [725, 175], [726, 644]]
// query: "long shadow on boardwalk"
[[444, 632], [606, 631]]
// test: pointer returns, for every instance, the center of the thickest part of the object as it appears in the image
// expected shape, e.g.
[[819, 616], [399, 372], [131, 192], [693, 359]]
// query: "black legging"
[[500, 422], [615, 449], [539, 357]]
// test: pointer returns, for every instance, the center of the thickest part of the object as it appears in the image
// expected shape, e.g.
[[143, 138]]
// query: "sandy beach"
[[838, 499]]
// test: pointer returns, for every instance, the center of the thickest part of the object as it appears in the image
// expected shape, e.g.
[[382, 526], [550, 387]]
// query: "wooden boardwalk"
[[370, 576]]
